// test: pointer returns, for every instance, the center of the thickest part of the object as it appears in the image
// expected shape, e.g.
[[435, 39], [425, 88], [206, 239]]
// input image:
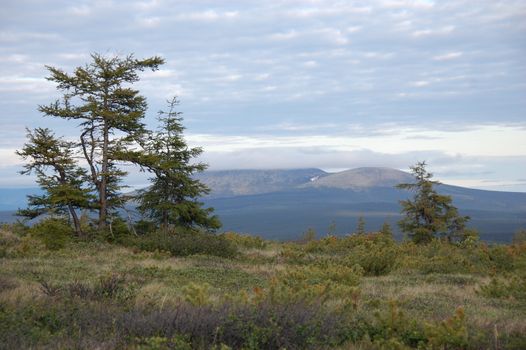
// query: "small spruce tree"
[[429, 214], [51, 159], [309, 235], [173, 197], [519, 237], [332, 229], [360, 228], [386, 230]]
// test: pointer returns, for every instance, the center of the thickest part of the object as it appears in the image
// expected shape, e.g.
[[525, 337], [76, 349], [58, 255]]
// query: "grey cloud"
[[242, 66]]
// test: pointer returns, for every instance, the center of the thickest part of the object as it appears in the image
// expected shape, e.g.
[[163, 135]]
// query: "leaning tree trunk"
[[76, 221], [103, 200]]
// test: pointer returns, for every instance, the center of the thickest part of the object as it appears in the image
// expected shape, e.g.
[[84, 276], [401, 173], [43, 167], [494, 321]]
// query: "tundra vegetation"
[[192, 290], [74, 280]]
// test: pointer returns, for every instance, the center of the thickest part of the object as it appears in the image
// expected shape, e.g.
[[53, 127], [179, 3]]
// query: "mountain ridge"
[[364, 177], [283, 203]]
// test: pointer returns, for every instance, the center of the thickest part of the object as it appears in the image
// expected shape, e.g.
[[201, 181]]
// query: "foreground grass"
[[364, 292]]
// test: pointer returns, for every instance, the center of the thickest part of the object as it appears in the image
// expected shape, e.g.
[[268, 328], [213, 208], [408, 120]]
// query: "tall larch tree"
[[109, 113]]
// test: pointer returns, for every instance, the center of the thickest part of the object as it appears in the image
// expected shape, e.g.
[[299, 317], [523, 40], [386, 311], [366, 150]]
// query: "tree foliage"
[[172, 198], [110, 114], [430, 214], [386, 230], [360, 226], [51, 160]]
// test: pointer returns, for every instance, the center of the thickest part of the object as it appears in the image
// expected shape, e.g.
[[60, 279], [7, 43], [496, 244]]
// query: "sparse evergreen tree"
[[110, 114], [331, 231], [172, 198], [51, 160], [309, 235], [519, 237], [429, 214], [360, 228], [386, 230]]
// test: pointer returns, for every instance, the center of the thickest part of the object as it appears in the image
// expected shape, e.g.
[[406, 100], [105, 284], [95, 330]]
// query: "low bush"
[[376, 258], [107, 287], [117, 230], [392, 326], [501, 258], [53, 232], [238, 326], [261, 326], [449, 334], [315, 284], [500, 288], [8, 242], [245, 241], [376, 253], [393, 329], [312, 295], [183, 243]]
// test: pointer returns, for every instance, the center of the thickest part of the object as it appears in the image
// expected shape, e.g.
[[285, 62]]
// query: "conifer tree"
[[429, 214], [51, 160], [109, 112], [360, 227], [386, 230], [173, 197], [331, 231]]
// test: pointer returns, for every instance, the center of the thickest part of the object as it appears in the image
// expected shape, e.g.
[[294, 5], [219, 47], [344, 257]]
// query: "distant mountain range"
[[282, 204]]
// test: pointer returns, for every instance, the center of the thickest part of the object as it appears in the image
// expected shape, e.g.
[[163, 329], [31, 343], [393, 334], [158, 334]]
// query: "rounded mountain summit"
[[227, 183], [361, 178]]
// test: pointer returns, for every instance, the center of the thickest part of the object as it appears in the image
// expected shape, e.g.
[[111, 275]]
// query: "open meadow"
[[239, 292]]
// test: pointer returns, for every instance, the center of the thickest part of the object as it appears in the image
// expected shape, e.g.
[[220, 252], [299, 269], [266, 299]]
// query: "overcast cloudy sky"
[[290, 83]]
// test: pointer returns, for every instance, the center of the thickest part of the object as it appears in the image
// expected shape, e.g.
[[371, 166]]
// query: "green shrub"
[[143, 227], [162, 343], [107, 287], [502, 258], [376, 258], [449, 334], [245, 241], [315, 284], [440, 256], [18, 228], [308, 236], [197, 294], [376, 253], [116, 231], [183, 242], [512, 287], [53, 232], [392, 327], [8, 242]]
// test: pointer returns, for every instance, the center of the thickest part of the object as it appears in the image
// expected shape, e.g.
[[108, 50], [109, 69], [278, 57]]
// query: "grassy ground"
[[361, 292]]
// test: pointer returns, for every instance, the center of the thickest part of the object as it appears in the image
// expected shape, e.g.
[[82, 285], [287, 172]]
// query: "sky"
[[291, 84]]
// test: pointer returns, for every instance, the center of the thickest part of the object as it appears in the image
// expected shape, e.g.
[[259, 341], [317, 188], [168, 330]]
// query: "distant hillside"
[[281, 204], [285, 209], [361, 178], [228, 183]]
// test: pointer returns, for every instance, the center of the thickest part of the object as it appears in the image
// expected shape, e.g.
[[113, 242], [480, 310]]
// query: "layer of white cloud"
[[484, 141]]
